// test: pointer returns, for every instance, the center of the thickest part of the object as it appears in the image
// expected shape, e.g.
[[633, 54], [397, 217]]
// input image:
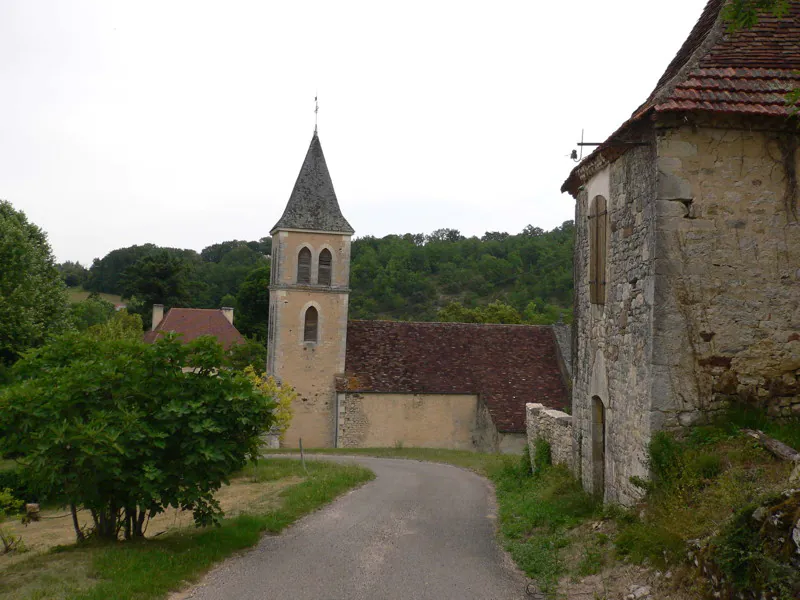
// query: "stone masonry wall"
[[727, 319], [553, 426], [369, 420], [612, 342]]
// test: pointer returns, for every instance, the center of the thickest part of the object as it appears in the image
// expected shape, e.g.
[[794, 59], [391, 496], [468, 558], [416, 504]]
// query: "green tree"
[[127, 429], [33, 302], [252, 303], [252, 353], [92, 311], [73, 273], [160, 277]]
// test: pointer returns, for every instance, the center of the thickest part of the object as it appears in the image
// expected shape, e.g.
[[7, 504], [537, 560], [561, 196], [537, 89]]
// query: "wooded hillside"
[[499, 277]]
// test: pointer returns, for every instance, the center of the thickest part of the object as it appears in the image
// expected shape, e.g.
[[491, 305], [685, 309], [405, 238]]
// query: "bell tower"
[[308, 295]]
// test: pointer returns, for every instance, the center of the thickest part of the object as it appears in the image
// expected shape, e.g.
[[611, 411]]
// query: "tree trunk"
[[78, 533]]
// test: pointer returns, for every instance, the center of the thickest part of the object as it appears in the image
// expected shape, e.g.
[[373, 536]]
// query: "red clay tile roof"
[[747, 72], [507, 365], [191, 323]]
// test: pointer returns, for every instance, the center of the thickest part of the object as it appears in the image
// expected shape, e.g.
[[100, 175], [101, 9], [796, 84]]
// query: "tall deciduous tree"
[[33, 302]]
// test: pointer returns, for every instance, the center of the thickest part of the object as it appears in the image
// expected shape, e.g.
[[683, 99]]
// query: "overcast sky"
[[184, 123]]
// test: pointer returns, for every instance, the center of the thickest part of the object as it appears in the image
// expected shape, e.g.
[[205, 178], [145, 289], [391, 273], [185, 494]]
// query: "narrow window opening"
[[598, 226], [311, 325], [325, 264], [304, 266]]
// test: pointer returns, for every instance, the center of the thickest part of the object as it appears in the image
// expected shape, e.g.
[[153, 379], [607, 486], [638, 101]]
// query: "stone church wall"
[[369, 420], [612, 342], [307, 366], [727, 318]]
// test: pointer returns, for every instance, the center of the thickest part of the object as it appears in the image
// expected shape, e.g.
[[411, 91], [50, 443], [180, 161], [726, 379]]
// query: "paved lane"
[[419, 531]]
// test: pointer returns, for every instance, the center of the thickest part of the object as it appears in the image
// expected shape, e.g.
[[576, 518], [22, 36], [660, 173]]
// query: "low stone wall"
[[553, 426]]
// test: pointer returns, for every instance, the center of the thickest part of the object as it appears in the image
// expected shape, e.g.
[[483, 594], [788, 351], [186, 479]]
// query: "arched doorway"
[[598, 447]]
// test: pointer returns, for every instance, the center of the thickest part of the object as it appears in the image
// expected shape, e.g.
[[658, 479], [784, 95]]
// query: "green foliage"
[[649, 542], [743, 14], [415, 277], [542, 456], [252, 353], [74, 274], [160, 277], [119, 425], [92, 311], [499, 278], [535, 515], [281, 394], [9, 505], [252, 303], [741, 552], [121, 326], [33, 304], [11, 479]]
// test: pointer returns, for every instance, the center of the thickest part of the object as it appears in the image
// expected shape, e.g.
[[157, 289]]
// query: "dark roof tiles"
[[748, 72], [507, 365], [313, 205]]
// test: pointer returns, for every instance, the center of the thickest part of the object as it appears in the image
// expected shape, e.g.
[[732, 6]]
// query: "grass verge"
[[150, 568], [76, 294]]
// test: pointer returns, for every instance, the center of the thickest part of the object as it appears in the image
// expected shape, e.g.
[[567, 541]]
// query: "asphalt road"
[[418, 531]]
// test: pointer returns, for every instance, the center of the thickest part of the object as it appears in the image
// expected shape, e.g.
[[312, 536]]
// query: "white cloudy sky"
[[184, 123]]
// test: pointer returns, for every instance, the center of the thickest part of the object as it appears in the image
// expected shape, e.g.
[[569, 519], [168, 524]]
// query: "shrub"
[[127, 428], [9, 505], [283, 396]]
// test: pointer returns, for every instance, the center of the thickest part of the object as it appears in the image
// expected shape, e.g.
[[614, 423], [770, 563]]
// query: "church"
[[387, 383]]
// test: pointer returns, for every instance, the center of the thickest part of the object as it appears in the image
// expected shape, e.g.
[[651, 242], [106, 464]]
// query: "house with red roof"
[[687, 267], [191, 323], [384, 383]]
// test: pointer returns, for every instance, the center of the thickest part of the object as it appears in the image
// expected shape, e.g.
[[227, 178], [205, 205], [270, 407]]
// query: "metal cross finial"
[[316, 114]]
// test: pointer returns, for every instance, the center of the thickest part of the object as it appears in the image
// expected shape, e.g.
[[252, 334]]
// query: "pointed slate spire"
[[313, 205]]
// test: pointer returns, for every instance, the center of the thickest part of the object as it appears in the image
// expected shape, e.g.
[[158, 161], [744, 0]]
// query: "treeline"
[[415, 277], [499, 277]]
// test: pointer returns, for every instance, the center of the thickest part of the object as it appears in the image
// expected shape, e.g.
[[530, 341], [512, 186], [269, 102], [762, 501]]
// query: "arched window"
[[304, 266], [311, 325], [325, 264], [598, 225]]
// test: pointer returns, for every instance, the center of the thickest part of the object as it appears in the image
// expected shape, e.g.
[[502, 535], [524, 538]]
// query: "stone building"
[[687, 265], [381, 383]]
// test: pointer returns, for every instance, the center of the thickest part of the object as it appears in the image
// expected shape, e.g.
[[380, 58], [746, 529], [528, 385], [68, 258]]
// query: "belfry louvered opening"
[[598, 226], [325, 266], [304, 266], [311, 325]]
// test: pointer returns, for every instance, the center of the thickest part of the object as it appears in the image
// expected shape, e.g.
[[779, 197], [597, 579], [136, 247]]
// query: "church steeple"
[[313, 205]]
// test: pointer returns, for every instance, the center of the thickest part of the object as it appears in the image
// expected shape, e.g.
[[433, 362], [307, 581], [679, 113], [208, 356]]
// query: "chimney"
[[158, 315], [228, 312]]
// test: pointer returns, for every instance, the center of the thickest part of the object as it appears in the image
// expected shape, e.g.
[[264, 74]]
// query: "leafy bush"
[[12, 479], [282, 395], [9, 505], [128, 429]]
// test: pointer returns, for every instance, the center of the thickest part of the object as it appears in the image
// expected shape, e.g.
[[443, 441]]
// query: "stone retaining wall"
[[553, 426]]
